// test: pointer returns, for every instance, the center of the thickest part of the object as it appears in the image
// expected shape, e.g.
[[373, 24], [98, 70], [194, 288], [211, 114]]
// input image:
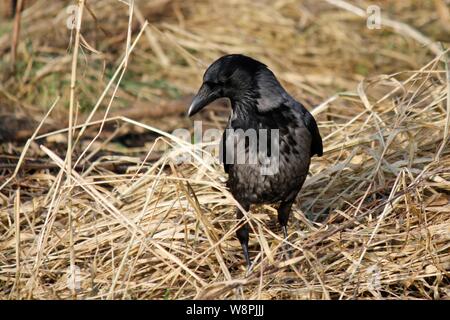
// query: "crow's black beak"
[[203, 97]]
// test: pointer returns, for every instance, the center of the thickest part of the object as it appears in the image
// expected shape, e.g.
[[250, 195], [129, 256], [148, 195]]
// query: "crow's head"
[[233, 76]]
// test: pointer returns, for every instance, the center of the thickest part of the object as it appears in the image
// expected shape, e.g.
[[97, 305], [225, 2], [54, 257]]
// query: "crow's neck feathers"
[[265, 95], [271, 94]]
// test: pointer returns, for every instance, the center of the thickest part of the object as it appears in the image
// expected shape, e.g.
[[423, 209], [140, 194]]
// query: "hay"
[[371, 222]]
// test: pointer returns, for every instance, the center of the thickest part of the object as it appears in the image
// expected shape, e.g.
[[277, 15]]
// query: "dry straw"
[[371, 222]]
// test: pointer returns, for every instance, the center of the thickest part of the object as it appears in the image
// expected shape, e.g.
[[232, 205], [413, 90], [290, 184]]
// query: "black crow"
[[259, 103]]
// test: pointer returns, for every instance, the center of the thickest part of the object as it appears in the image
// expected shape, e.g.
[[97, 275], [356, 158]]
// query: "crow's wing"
[[311, 125], [316, 143]]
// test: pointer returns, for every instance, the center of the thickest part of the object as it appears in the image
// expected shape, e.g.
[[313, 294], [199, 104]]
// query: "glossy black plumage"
[[260, 102]]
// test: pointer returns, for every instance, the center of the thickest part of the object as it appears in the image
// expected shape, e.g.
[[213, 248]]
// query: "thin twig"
[[73, 79], [16, 32]]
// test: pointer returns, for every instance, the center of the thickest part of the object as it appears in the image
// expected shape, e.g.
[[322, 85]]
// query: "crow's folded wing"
[[311, 125], [316, 142]]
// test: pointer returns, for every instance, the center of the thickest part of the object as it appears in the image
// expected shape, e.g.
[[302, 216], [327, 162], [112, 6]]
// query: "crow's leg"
[[242, 233], [283, 217], [283, 214]]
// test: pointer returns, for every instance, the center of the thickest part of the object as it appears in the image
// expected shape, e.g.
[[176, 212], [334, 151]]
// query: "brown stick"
[[9, 131], [114, 166], [16, 31]]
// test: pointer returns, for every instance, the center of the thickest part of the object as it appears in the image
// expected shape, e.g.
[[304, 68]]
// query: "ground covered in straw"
[[125, 218]]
